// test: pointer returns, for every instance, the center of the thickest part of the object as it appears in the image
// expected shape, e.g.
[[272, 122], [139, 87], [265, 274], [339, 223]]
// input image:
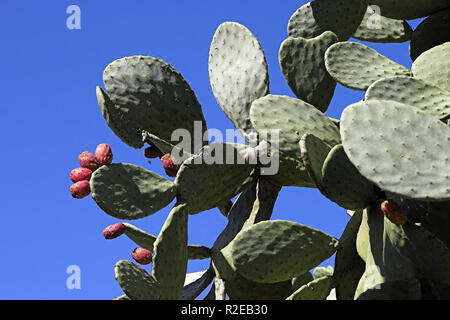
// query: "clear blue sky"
[[49, 114]]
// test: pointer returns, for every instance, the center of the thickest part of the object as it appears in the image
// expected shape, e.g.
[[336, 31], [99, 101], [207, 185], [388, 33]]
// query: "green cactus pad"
[[343, 183], [339, 16], [171, 255], [392, 154], [136, 282], [153, 95], [377, 28], [349, 267], [411, 9], [431, 32], [127, 191], [238, 73], [393, 290], [357, 66], [146, 240], [411, 91], [203, 180], [318, 289], [432, 66], [122, 128], [428, 253], [293, 118], [302, 63], [278, 250], [195, 283]]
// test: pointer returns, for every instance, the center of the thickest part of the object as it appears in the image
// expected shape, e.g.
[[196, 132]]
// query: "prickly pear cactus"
[[386, 161]]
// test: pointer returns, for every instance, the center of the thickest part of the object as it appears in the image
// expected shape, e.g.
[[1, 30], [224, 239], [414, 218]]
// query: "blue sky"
[[49, 115]]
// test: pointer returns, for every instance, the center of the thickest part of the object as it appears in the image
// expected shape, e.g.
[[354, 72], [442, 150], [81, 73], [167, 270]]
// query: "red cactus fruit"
[[114, 230], [80, 189], [142, 256], [394, 212], [152, 152], [88, 160], [103, 154], [169, 165], [80, 174]]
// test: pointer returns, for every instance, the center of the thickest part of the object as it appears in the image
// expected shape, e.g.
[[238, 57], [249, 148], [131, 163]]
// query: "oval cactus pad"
[[400, 149], [357, 66], [127, 191], [278, 250], [153, 95], [135, 281], [219, 172], [413, 92], [433, 66], [237, 72]]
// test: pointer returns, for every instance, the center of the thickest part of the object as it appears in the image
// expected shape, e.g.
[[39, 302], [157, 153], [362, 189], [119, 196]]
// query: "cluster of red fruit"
[[89, 163], [167, 161], [140, 255]]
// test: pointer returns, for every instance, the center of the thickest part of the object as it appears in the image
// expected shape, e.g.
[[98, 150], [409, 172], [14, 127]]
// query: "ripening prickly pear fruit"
[[142, 256], [393, 212], [169, 165], [80, 174], [80, 189], [114, 230], [152, 152], [103, 154], [88, 160]]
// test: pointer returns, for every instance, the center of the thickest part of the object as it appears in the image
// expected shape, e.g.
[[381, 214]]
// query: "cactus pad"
[[302, 63], [153, 95], [343, 183], [170, 259], [433, 66], [277, 250], [314, 152], [127, 191], [357, 66], [392, 154], [349, 267], [238, 73], [339, 16], [413, 92], [136, 282], [204, 180]]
